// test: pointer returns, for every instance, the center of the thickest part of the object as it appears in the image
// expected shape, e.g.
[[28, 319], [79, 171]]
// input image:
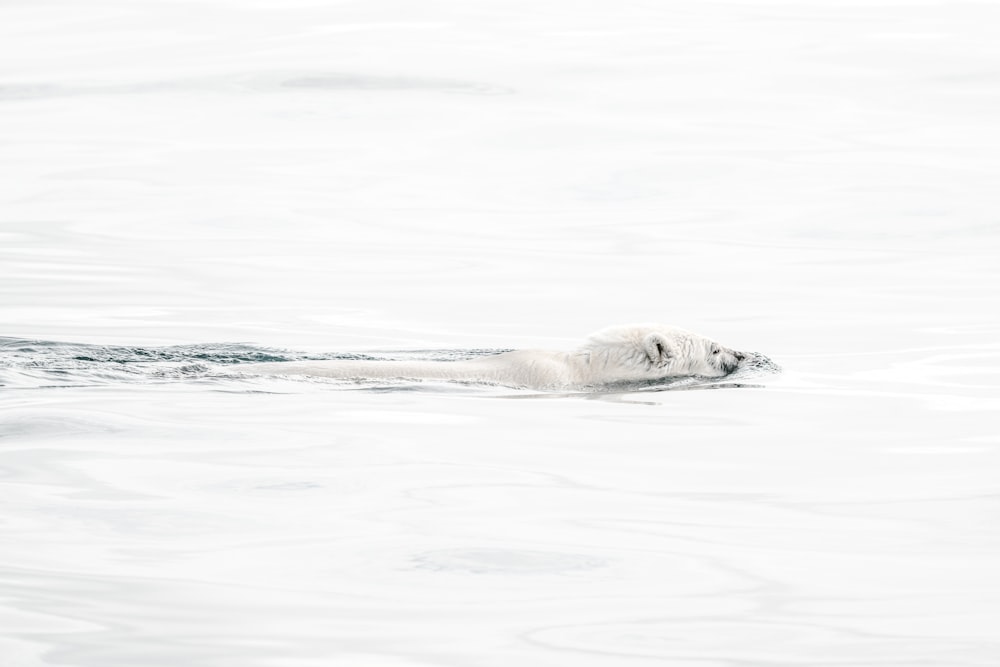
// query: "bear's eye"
[[715, 351]]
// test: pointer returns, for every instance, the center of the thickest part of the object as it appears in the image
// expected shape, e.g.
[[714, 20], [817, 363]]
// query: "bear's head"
[[653, 351]]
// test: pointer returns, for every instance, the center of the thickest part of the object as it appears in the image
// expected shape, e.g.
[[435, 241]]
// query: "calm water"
[[184, 187]]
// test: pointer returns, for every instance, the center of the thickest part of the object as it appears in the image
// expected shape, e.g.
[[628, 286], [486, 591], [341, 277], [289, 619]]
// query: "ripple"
[[505, 561], [337, 81], [28, 363], [270, 82]]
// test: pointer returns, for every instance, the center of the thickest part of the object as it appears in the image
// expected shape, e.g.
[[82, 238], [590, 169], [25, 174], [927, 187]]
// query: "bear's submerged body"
[[635, 353], [521, 368]]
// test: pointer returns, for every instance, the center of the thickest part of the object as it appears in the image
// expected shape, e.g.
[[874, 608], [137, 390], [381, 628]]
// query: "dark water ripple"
[[27, 362]]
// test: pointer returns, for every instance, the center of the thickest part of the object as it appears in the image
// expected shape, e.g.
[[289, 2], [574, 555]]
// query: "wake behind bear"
[[622, 354]]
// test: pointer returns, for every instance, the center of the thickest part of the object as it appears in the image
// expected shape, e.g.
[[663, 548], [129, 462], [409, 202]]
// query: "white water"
[[813, 180]]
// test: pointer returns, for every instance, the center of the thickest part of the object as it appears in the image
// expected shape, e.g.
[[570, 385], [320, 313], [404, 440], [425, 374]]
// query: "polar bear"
[[632, 353]]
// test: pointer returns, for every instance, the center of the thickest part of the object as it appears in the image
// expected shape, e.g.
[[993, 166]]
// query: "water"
[[187, 187]]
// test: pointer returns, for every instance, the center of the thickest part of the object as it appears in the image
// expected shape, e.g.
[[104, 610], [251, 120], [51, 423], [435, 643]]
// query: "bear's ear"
[[657, 349]]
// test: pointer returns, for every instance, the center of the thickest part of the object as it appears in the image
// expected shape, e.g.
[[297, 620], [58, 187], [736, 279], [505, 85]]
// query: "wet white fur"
[[616, 354]]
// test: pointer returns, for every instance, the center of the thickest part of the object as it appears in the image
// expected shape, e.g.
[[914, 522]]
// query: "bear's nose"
[[739, 356]]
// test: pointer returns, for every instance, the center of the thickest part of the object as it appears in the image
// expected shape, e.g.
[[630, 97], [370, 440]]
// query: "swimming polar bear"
[[631, 353]]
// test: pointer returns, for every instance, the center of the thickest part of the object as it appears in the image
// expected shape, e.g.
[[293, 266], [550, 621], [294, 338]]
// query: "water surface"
[[188, 187]]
